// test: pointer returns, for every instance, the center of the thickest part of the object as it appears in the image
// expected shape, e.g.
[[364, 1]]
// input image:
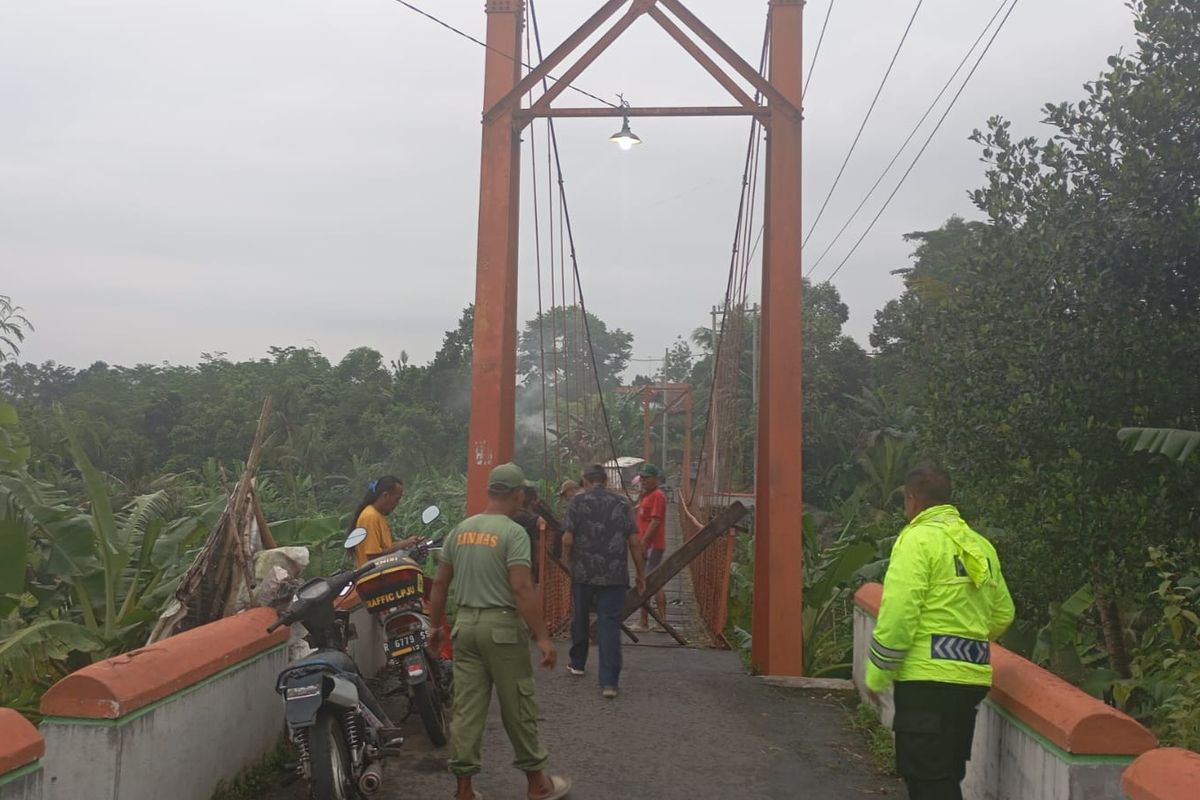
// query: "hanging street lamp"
[[625, 138]]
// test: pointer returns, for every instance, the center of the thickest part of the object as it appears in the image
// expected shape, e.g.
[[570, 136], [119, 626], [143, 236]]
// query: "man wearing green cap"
[[487, 560], [652, 532]]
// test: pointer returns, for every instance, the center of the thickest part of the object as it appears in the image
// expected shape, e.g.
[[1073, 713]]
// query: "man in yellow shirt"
[[381, 499]]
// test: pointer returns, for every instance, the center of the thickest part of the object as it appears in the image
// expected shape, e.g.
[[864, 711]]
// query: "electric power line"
[[916, 128], [925, 146], [486, 46], [863, 126], [817, 52]]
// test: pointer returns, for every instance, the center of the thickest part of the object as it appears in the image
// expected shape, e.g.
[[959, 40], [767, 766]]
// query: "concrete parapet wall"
[[170, 720], [1038, 737], [21, 750], [1167, 774]]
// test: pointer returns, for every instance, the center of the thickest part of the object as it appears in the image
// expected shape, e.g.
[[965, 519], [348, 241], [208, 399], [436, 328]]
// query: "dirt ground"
[[689, 725]]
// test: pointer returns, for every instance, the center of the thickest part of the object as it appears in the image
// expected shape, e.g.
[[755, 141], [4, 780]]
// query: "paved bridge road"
[[689, 725]]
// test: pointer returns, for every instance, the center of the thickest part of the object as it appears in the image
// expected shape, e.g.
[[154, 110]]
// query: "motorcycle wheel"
[[332, 778], [433, 713]]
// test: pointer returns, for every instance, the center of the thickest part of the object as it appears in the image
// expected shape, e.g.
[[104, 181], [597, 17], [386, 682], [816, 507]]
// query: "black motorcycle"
[[396, 592], [340, 731]]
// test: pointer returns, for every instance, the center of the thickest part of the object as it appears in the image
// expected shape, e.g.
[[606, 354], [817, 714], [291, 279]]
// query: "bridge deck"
[[689, 725]]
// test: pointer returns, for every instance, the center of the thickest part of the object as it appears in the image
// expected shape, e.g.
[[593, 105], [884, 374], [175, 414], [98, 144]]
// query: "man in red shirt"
[[652, 532]]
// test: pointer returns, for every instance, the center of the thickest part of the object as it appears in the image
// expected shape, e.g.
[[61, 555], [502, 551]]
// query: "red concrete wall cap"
[[20, 742], [1168, 774], [868, 597], [115, 687], [1069, 717]]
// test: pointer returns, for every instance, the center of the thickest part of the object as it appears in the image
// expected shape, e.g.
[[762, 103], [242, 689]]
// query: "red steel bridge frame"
[[778, 542]]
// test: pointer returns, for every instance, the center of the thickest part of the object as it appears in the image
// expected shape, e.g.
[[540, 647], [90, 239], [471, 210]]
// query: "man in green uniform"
[[487, 559], [944, 601]]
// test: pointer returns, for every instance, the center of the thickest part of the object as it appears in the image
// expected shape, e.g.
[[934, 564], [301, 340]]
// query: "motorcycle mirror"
[[430, 514], [356, 537]]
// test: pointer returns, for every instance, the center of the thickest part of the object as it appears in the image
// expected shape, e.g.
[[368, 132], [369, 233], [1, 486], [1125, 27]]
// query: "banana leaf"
[[1177, 444]]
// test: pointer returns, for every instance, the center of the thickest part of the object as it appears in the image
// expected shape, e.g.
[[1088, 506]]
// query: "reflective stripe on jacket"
[[944, 601]]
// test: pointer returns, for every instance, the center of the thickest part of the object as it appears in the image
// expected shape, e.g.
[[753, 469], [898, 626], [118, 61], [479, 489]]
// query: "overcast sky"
[[186, 177]]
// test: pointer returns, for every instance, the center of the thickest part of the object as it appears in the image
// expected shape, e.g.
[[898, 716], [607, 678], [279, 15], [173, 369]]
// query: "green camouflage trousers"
[[491, 648]]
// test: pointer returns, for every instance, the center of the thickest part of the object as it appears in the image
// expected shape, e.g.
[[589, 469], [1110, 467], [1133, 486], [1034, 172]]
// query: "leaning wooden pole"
[[675, 563]]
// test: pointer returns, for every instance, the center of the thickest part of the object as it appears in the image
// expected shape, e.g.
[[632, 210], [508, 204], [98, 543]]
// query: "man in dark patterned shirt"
[[599, 530]]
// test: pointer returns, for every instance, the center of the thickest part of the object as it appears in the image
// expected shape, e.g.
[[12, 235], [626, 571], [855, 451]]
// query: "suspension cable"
[[537, 246], [558, 429], [567, 232], [735, 267]]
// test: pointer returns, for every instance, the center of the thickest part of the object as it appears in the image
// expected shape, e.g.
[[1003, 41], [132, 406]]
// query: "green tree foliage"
[[564, 331], [13, 326], [677, 363], [329, 420], [835, 367], [1070, 313]]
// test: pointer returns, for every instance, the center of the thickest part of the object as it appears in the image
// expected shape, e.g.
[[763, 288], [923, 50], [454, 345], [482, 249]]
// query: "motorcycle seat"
[[334, 660]]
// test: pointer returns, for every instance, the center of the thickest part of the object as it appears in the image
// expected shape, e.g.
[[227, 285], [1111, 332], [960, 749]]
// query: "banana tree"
[[34, 656], [829, 581], [120, 559]]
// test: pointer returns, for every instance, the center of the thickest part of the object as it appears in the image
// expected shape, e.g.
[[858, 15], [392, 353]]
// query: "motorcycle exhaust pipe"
[[370, 781]]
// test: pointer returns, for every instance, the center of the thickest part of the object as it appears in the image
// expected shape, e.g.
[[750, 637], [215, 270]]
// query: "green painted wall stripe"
[[146, 709], [1055, 750], [20, 772]]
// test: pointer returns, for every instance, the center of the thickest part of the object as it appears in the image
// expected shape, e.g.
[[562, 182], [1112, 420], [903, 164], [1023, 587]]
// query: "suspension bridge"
[[178, 716]]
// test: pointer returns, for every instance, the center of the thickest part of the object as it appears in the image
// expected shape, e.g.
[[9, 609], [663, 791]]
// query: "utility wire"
[[863, 126], [817, 52], [925, 146], [916, 128], [486, 46]]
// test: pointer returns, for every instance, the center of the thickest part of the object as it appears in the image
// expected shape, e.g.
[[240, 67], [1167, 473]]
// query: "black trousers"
[[935, 725]]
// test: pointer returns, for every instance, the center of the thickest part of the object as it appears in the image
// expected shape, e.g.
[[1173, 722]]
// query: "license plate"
[[401, 645], [301, 692]]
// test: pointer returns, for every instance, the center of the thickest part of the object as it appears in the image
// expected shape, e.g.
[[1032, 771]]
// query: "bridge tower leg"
[[779, 549], [494, 366]]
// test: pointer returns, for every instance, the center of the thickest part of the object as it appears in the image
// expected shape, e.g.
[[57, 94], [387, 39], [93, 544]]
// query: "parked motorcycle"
[[338, 727], [396, 592]]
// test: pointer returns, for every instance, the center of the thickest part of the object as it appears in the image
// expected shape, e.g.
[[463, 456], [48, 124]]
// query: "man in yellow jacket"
[[944, 601]]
